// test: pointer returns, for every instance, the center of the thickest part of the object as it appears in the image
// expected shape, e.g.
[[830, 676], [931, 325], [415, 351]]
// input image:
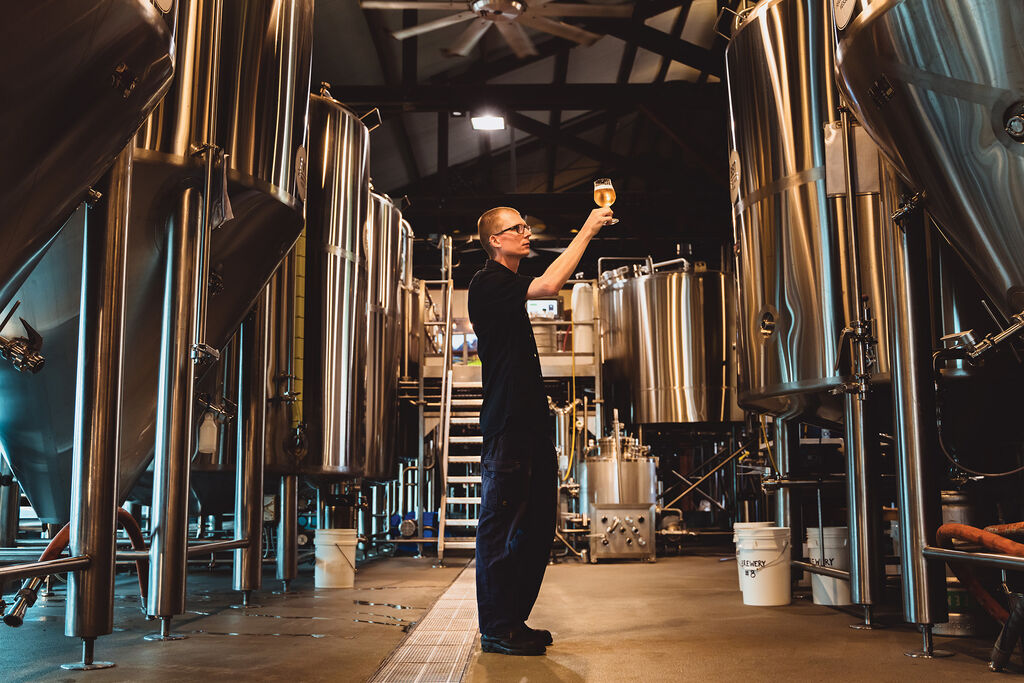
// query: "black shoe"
[[520, 643], [540, 634]]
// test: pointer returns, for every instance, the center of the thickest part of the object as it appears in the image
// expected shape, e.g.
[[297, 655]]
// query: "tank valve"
[[23, 352], [629, 541], [604, 540], [641, 541], [1014, 124]]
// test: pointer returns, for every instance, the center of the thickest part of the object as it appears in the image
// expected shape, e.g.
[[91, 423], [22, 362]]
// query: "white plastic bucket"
[[335, 558], [763, 555], [828, 590], [736, 527]]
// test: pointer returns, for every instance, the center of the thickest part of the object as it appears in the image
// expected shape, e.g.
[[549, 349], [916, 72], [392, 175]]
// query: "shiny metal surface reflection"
[[54, 151], [385, 269], [245, 251], [938, 83], [336, 290], [792, 272], [668, 345]]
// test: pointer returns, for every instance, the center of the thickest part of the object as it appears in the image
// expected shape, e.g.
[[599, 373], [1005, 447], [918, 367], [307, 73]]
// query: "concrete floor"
[[682, 619], [315, 638], [679, 619]]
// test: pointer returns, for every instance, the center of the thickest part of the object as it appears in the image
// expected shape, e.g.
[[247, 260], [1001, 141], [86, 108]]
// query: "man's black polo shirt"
[[513, 386]]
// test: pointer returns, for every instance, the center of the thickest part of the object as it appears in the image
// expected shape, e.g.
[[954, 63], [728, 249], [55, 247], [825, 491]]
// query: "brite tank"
[[668, 344], [260, 123], [52, 153], [788, 190], [334, 318], [939, 84], [384, 248]]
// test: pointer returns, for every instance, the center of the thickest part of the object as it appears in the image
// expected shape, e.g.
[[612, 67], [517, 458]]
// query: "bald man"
[[519, 469]]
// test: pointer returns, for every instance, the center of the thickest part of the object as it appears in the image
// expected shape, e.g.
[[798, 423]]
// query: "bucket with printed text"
[[828, 590], [736, 528], [335, 558], [763, 555]]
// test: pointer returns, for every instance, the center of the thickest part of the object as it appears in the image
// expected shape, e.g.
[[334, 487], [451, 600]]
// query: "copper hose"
[[56, 545], [1006, 529], [131, 527], [991, 541]]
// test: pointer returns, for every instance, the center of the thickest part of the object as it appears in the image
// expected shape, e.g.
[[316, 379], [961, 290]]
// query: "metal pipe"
[[210, 547], [90, 605], [44, 568], [997, 560], [421, 418], [823, 571], [175, 400], [252, 411], [599, 361], [863, 508], [924, 586], [776, 484], [10, 508], [671, 262], [782, 498], [287, 530]]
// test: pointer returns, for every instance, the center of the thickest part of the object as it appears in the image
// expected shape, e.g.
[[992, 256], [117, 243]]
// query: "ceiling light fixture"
[[488, 122]]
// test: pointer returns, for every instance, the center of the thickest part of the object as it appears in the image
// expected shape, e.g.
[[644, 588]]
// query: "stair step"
[[467, 401], [465, 439], [464, 543], [467, 385], [463, 458], [463, 480], [462, 500], [461, 522], [474, 420]]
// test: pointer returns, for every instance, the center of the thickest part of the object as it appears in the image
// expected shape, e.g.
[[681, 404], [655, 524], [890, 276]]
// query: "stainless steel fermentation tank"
[[242, 85], [358, 256], [63, 126], [386, 249], [334, 315], [667, 340], [808, 215], [939, 85], [793, 260]]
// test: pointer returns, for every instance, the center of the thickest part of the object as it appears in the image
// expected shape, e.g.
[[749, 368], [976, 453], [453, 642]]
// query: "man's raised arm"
[[559, 271]]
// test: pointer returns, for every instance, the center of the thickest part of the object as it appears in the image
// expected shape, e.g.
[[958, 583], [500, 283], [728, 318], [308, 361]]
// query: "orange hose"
[[57, 544], [991, 541], [1006, 529], [131, 527]]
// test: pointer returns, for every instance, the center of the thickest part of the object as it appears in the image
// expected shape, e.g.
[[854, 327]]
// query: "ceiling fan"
[[508, 16]]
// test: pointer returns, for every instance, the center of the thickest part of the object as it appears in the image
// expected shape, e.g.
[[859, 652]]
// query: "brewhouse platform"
[[679, 619]]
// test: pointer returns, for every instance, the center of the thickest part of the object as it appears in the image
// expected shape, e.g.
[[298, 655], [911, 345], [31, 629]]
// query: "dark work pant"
[[517, 524]]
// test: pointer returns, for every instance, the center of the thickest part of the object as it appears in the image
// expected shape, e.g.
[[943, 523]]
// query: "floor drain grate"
[[439, 648]]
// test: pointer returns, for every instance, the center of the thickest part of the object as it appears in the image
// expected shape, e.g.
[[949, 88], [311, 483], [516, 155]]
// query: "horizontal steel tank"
[[939, 84], [385, 249], [792, 268], [261, 124], [667, 339], [65, 119], [333, 366]]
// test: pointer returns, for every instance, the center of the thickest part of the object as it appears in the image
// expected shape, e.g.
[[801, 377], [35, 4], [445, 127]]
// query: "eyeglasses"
[[521, 229]]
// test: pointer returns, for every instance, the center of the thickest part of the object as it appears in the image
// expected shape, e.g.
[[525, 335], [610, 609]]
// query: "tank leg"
[[87, 663], [927, 650]]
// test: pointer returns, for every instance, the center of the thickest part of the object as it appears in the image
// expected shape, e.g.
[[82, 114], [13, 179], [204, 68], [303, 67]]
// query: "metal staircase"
[[460, 491]]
